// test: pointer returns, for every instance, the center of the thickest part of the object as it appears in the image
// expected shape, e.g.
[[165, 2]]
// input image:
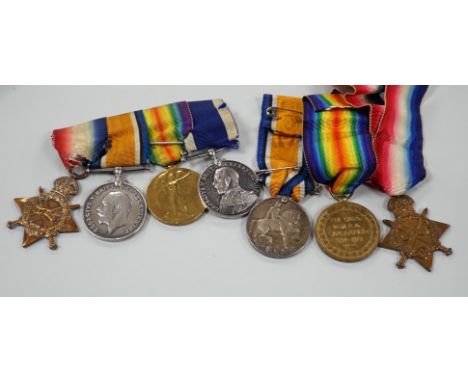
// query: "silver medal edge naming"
[[289, 254], [228, 164], [90, 199]]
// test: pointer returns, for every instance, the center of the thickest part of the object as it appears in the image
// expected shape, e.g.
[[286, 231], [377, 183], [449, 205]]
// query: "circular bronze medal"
[[173, 197], [347, 231]]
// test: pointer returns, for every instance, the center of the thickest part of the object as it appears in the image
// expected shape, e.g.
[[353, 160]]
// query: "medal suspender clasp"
[[200, 154], [118, 176], [340, 198], [216, 161], [79, 171]]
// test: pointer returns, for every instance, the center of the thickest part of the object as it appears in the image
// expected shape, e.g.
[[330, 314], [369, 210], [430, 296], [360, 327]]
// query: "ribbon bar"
[[159, 135]]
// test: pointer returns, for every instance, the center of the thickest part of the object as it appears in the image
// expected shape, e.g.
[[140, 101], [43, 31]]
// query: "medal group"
[[339, 141]]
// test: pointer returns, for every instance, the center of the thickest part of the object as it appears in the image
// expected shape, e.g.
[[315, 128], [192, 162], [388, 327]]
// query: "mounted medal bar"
[[368, 135], [129, 142]]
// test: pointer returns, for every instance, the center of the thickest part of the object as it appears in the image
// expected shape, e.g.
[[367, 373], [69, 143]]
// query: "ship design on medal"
[[48, 214], [413, 234]]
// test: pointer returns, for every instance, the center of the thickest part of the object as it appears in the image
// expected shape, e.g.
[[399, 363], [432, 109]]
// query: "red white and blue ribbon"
[[371, 133]]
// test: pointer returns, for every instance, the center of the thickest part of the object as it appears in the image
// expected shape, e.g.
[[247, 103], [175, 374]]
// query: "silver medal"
[[278, 227], [229, 188], [115, 211]]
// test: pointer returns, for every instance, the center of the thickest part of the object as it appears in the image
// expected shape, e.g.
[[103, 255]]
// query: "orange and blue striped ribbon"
[[139, 137], [280, 146]]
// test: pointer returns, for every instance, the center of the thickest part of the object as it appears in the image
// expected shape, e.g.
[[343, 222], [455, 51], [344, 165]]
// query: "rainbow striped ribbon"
[[280, 145], [359, 136], [338, 144], [138, 137]]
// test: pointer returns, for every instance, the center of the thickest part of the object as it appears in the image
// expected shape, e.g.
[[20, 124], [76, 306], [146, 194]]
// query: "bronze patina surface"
[[413, 234], [347, 231], [48, 214]]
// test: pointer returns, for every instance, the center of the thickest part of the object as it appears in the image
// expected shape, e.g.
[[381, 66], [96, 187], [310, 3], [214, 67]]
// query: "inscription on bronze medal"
[[347, 231]]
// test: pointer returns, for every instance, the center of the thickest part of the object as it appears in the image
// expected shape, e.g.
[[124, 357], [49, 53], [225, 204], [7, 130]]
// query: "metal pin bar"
[[81, 171], [270, 170], [113, 170], [295, 136], [271, 110]]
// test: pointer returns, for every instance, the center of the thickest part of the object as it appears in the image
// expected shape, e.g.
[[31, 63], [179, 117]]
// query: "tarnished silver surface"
[[115, 211], [278, 227], [229, 188]]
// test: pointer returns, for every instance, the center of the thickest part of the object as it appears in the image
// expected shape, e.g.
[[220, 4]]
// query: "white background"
[[213, 257], [256, 42]]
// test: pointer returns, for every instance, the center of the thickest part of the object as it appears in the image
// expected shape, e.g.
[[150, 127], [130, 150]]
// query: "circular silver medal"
[[278, 227], [115, 211], [229, 188]]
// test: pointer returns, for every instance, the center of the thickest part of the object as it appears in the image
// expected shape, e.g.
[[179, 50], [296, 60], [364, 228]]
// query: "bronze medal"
[[413, 234], [347, 231], [173, 197], [48, 214]]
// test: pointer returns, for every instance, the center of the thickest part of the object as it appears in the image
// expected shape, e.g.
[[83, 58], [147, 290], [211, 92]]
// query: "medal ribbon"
[[138, 137], [280, 145], [338, 145], [398, 141], [359, 136]]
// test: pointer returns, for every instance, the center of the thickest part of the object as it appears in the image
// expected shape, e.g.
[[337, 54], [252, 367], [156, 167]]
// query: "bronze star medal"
[[47, 214], [413, 234]]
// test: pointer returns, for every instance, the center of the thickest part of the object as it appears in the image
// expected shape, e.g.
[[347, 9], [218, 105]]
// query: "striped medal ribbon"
[[173, 195], [278, 227], [126, 142], [158, 135], [368, 134], [163, 136], [280, 150], [394, 132]]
